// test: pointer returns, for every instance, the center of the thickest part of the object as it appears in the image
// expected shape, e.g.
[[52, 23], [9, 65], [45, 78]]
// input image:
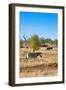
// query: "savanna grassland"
[[46, 65]]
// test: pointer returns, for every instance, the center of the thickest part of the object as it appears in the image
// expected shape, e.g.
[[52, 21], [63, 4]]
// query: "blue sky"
[[42, 24]]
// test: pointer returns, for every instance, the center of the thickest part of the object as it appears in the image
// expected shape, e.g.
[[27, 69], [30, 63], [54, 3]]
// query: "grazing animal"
[[49, 48], [33, 55], [44, 45]]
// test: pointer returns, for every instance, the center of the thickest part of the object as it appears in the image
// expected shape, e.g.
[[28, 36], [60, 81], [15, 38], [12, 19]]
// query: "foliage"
[[34, 42], [42, 41], [48, 40]]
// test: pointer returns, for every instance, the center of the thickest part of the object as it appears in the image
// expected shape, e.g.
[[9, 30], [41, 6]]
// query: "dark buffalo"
[[49, 48], [44, 45]]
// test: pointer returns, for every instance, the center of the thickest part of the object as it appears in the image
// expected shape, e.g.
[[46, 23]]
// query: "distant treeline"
[[48, 40]]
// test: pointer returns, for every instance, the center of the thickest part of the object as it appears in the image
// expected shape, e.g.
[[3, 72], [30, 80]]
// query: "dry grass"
[[40, 66]]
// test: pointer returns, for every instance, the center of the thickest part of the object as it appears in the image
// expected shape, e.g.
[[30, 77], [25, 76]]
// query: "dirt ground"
[[47, 65]]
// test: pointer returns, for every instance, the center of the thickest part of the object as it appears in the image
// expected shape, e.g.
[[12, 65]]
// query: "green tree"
[[42, 41], [50, 41], [34, 42]]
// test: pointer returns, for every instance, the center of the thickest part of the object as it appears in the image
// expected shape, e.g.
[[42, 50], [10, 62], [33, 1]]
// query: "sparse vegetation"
[[35, 42], [44, 65]]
